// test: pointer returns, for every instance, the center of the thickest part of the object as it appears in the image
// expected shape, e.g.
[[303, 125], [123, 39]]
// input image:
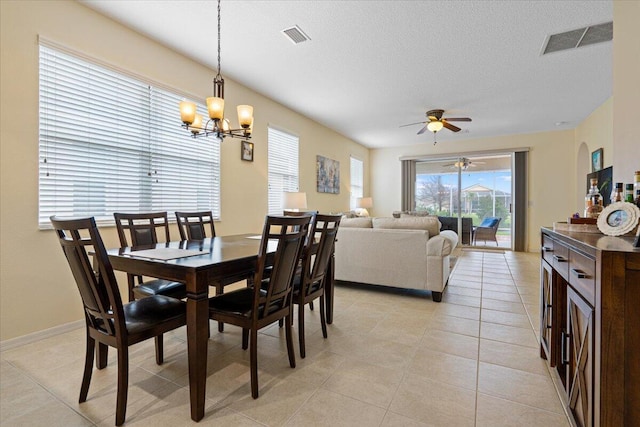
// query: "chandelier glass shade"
[[217, 125]]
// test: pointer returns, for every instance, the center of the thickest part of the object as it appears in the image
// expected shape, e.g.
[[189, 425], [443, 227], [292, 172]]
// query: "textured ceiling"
[[372, 66]]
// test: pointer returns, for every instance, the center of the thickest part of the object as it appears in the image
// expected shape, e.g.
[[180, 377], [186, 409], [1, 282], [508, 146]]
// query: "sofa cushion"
[[361, 222], [429, 223]]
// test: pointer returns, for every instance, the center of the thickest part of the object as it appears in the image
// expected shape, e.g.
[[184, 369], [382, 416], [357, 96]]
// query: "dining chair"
[[199, 226], [300, 213], [194, 225], [309, 284], [142, 229], [108, 321], [256, 307]]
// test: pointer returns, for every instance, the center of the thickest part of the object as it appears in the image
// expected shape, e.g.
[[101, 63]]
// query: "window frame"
[[283, 166], [137, 157]]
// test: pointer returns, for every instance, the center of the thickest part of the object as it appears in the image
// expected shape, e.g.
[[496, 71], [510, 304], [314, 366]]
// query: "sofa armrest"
[[442, 244]]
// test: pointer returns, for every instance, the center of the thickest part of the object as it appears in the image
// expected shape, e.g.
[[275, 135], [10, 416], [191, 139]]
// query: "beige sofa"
[[400, 252]]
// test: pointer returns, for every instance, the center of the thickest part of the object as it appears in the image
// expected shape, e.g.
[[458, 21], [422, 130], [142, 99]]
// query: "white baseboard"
[[37, 336]]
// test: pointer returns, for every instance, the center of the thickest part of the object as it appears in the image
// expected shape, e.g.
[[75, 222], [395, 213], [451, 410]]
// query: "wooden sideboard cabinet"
[[590, 325]]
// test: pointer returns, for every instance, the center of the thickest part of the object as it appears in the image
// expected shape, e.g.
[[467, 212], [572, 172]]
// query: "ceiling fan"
[[436, 122], [463, 163]]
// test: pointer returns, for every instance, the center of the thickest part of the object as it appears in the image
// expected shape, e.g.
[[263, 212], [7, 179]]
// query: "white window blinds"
[[357, 180], [283, 167], [112, 143]]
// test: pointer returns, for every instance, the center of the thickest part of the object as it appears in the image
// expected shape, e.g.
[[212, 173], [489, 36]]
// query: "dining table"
[[198, 263]]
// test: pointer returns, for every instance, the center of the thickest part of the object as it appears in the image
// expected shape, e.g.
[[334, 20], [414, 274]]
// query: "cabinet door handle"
[[579, 273], [559, 258], [563, 348], [547, 249]]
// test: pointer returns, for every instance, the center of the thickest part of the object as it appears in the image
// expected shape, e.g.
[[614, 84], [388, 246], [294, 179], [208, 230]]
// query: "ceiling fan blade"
[[451, 127], [412, 124], [421, 131], [457, 119]]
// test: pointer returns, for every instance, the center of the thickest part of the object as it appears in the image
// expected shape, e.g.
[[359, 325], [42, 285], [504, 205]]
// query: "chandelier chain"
[[218, 39]]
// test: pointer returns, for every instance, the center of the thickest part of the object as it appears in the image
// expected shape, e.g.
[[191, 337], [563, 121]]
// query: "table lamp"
[[362, 204], [294, 201]]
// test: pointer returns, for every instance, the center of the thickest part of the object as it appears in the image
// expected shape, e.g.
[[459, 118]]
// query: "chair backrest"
[[290, 233], [142, 228], [322, 234], [490, 222], [302, 213], [98, 290], [193, 225]]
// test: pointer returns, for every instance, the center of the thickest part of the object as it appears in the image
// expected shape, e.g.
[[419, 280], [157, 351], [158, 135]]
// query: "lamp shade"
[[364, 202], [294, 200], [435, 126], [245, 116]]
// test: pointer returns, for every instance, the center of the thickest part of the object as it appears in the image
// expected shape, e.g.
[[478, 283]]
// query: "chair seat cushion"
[[238, 302], [489, 222], [147, 313], [161, 287]]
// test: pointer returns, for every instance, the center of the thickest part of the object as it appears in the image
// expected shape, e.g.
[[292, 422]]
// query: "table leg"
[[197, 337]]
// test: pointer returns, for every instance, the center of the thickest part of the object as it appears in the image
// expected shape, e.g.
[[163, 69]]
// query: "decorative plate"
[[618, 218]]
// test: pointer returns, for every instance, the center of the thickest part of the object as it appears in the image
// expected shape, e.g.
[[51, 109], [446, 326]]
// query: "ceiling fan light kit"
[[436, 122]]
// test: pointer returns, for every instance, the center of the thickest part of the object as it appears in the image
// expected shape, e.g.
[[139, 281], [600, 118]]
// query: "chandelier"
[[217, 126]]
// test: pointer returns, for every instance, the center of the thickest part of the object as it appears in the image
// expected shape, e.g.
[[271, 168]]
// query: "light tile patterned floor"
[[393, 358]]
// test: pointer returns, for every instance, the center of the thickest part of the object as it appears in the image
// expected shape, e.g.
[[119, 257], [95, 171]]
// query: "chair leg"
[[289, 334], [123, 384], [102, 355], [281, 323], [311, 306], [245, 338], [88, 368], [253, 351], [323, 319], [159, 350], [301, 331]]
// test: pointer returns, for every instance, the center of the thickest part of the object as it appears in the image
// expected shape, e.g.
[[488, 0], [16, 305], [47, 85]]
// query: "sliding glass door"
[[477, 187]]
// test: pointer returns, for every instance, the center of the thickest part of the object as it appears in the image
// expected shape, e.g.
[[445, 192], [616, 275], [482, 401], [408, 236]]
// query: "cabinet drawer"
[[547, 249], [561, 259], [582, 275]]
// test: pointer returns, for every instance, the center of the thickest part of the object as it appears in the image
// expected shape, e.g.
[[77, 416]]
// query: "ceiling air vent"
[[295, 34], [578, 38]]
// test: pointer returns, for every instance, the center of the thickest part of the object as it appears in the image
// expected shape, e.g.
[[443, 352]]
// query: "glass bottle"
[[637, 201], [636, 182], [628, 193], [617, 195], [593, 203]]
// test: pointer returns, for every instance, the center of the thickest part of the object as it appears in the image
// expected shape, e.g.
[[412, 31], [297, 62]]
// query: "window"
[[283, 167], [357, 181], [110, 142]]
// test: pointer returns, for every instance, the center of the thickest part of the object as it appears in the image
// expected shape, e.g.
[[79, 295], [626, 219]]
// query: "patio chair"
[[487, 230]]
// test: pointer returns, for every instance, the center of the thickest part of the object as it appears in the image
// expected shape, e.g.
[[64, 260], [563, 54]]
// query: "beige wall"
[[596, 131], [550, 168], [37, 291], [626, 89]]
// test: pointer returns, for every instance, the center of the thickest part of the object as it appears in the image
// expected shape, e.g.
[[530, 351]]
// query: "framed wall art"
[[596, 160], [246, 152], [328, 175]]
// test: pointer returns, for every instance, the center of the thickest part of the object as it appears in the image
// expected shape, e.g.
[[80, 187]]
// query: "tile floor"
[[393, 358]]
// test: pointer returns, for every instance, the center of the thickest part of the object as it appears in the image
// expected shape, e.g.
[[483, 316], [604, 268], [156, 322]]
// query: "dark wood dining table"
[[221, 257]]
